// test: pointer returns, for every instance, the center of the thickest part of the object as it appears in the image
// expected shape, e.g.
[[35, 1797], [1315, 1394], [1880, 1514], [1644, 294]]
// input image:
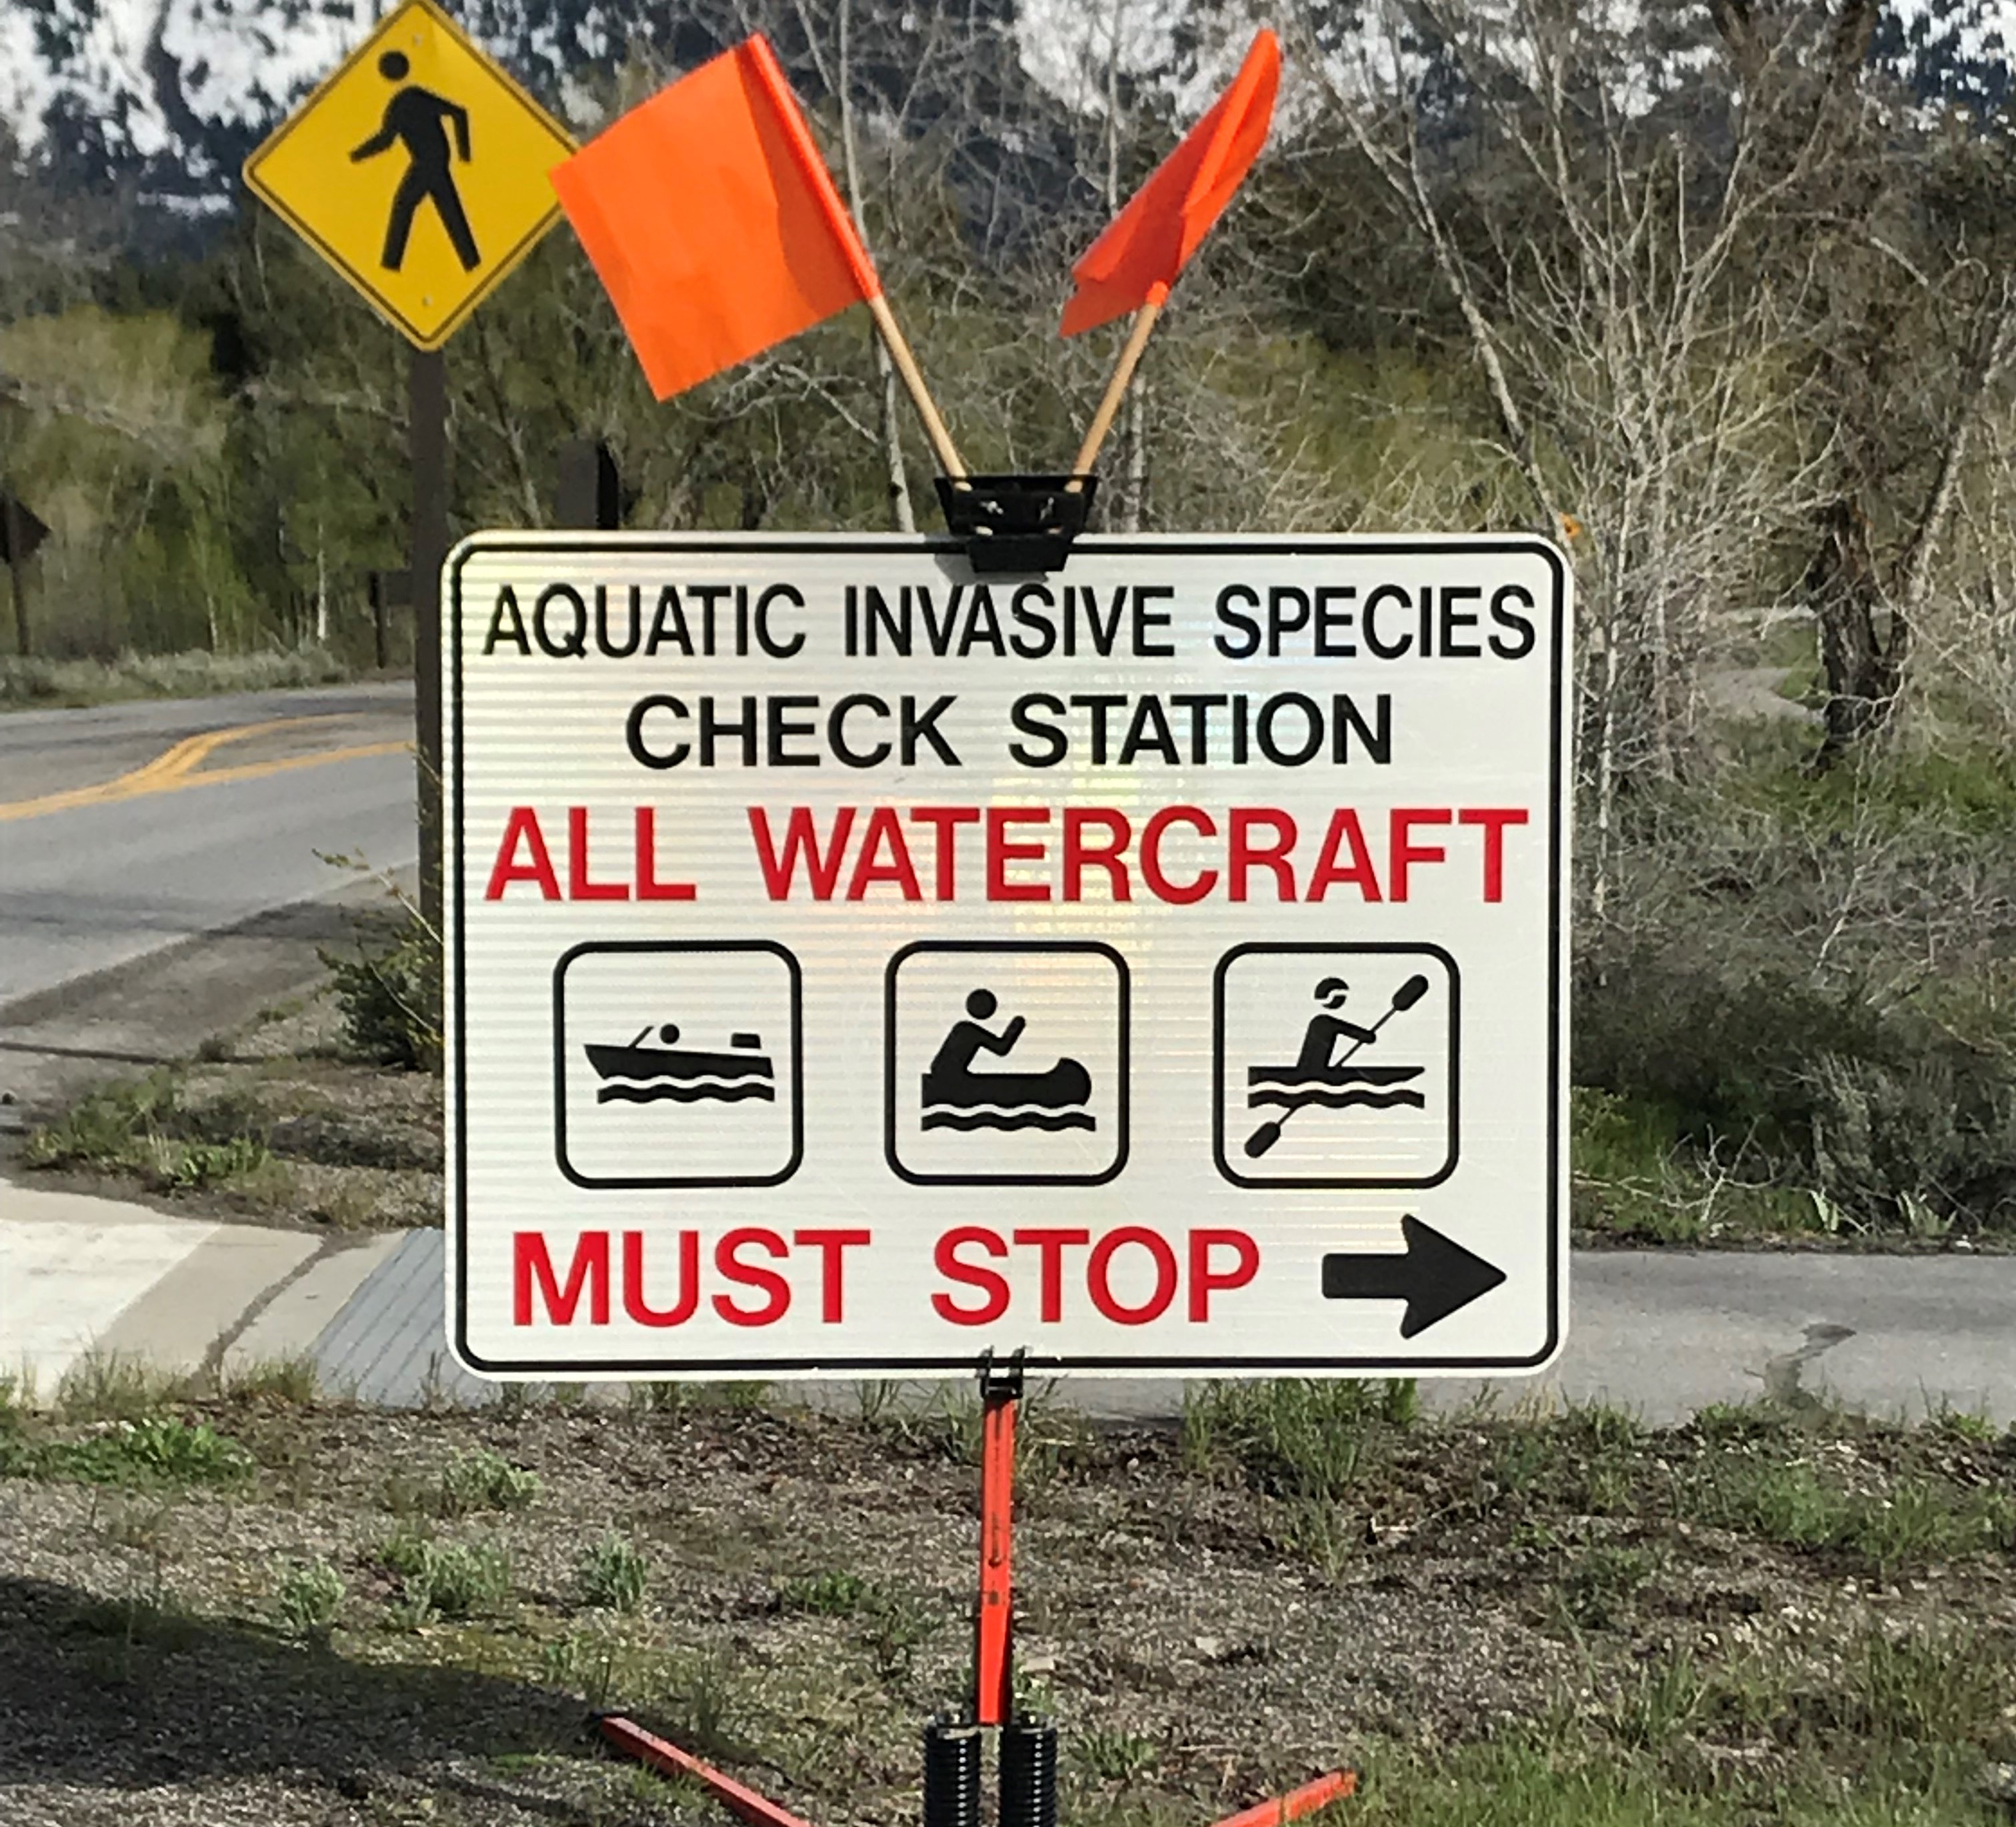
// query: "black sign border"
[[1262, 545]]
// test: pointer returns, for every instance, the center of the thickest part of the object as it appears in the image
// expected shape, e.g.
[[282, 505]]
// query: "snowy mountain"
[[170, 95]]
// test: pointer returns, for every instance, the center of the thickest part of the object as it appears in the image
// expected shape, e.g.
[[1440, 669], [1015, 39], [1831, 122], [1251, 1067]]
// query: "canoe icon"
[[639, 1073]]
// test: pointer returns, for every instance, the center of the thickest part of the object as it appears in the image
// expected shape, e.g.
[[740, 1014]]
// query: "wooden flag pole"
[[920, 395], [1123, 377]]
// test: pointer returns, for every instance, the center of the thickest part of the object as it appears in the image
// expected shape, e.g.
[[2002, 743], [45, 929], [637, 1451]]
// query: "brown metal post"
[[427, 432]]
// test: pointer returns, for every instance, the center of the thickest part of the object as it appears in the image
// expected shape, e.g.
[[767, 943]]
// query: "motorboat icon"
[[641, 1072]]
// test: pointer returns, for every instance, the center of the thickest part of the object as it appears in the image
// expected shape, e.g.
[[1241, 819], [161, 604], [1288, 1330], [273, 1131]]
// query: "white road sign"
[[856, 964]]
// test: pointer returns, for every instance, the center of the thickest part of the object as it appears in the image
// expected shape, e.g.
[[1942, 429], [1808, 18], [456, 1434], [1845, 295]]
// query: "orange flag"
[[712, 221], [1151, 240]]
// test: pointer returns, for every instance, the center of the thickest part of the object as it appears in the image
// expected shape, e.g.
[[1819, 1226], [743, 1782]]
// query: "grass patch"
[[1598, 1587], [835, 1593], [1914, 1522], [138, 1127], [294, 1380], [34, 682], [1108, 1755], [156, 1451], [110, 1386], [1298, 1438]]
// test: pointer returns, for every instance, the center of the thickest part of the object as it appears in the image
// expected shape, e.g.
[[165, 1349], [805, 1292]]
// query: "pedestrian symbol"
[[414, 118], [419, 170]]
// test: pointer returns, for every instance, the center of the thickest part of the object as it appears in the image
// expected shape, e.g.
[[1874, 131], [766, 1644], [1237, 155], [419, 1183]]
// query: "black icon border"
[[634, 1184], [1122, 1107], [1328, 1182]]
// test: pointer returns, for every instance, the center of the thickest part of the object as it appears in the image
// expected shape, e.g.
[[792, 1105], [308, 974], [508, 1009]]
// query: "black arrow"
[[1434, 1276]]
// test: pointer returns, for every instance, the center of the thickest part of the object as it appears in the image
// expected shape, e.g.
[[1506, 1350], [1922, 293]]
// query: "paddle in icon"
[[1314, 1078]]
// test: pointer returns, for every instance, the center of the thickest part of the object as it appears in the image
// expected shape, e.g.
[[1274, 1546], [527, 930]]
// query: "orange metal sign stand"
[[1027, 1747]]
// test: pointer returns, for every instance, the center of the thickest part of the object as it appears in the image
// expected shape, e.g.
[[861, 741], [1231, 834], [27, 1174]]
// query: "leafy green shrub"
[[1891, 1114], [389, 994], [445, 1579], [310, 1597], [1891, 1139], [481, 1480], [611, 1572]]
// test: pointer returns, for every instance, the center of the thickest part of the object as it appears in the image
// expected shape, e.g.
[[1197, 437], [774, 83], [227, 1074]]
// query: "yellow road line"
[[176, 769]]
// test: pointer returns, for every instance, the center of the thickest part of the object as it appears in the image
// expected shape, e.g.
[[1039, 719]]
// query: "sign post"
[[858, 965], [419, 170]]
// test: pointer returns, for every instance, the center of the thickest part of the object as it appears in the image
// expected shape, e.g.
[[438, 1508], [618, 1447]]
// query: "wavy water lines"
[[1364, 1098], [702, 1086], [995, 1116]]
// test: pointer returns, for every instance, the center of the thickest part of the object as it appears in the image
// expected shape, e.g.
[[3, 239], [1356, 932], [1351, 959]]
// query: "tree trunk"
[[17, 572], [1864, 667], [321, 590], [1856, 662]]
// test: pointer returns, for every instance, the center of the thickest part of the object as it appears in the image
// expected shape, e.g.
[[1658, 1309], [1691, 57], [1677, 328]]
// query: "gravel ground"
[[1205, 1629]]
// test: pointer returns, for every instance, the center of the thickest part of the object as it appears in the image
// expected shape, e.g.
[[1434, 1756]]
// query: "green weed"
[[1293, 1437], [309, 1597], [1658, 1702], [138, 1127], [611, 1572], [445, 1579], [109, 1385], [1949, 1686], [294, 1380], [1916, 1523], [702, 1704], [837, 1594], [1598, 1588], [898, 1625], [482, 1480], [1113, 1757]]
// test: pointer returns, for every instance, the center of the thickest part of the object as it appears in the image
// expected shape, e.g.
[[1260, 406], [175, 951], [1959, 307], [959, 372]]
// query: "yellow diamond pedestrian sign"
[[418, 171]]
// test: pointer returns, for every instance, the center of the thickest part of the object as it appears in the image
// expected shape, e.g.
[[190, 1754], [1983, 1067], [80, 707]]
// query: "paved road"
[[126, 828]]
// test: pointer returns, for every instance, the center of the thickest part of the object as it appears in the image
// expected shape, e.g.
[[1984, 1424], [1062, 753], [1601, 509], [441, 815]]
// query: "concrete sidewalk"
[[80, 1275], [1662, 1333]]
